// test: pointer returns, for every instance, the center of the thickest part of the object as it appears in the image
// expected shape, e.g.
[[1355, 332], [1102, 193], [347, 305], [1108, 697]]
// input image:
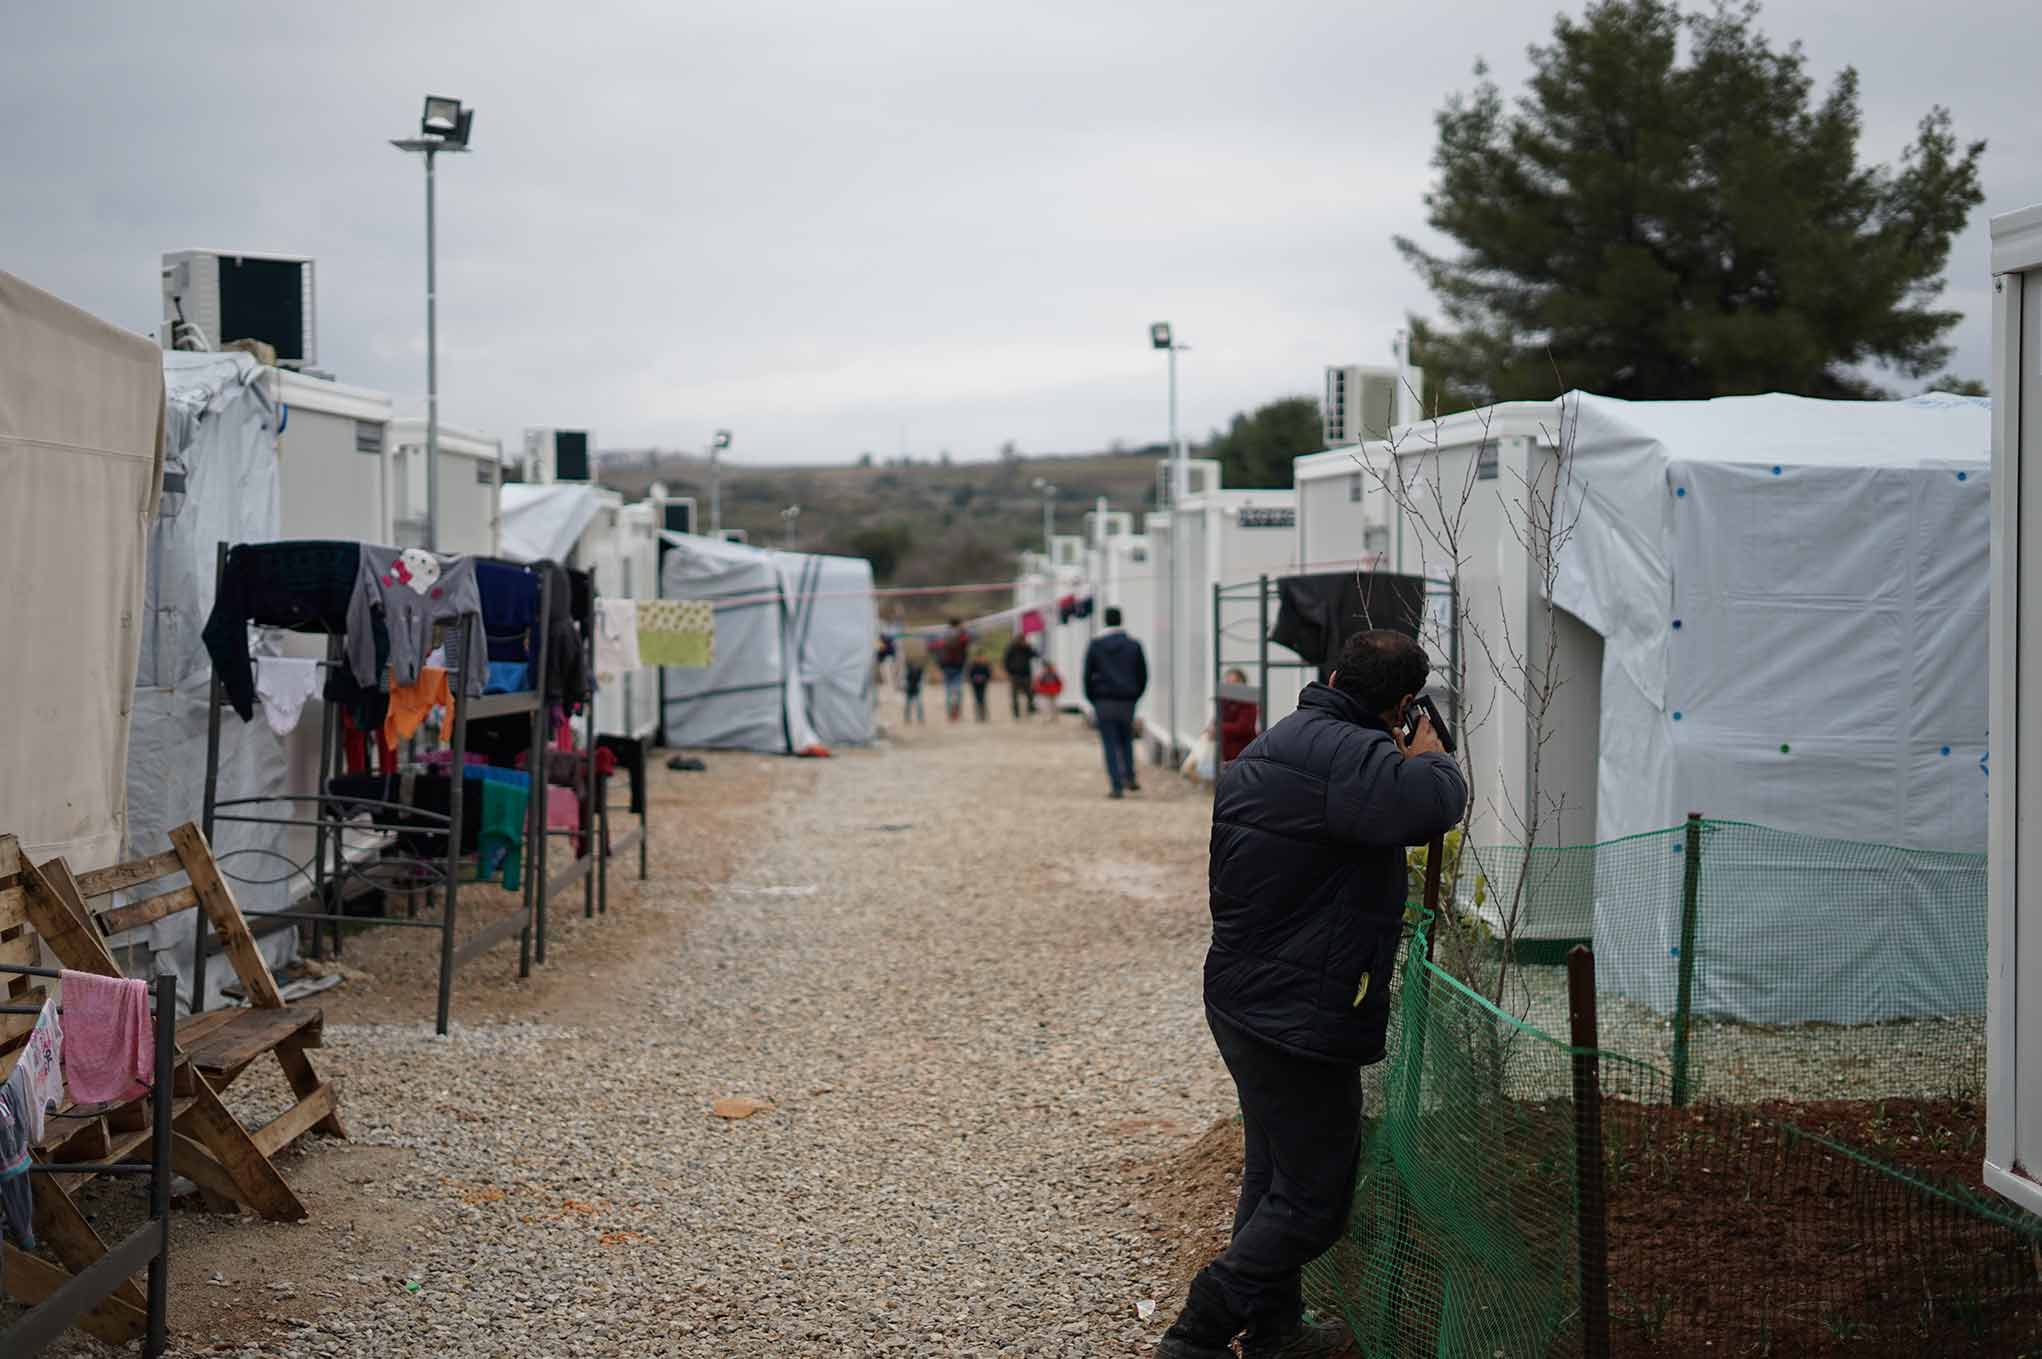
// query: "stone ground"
[[965, 987]]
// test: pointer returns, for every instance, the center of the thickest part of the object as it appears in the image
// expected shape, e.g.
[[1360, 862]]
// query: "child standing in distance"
[[980, 674], [912, 669], [1049, 684]]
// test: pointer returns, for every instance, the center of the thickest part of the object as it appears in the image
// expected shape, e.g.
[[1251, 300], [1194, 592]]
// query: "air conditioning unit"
[[1201, 477], [212, 297], [555, 455], [1367, 403], [678, 516]]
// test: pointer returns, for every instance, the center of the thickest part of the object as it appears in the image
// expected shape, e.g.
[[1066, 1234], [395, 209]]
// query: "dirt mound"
[[1188, 1199]]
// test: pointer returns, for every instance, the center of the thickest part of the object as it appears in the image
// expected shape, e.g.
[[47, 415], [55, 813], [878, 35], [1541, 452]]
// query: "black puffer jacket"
[[1309, 827]]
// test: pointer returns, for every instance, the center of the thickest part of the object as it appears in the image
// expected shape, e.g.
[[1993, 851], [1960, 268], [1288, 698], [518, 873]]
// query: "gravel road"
[[964, 982]]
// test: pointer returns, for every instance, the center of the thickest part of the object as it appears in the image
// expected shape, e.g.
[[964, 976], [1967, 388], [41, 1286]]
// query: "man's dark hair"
[[1379, 667], [956, 622], [1113, 618]]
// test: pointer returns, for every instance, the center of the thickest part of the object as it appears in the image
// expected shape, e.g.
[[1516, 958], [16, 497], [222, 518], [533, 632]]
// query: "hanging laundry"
[[17, 1199], [413, 590], [42, 1058], [616, 639], [677, 632], [409, 703], [1066, 608], [501, 840], [107, 1053], [1083, 608], [284, 683], [1031, 622], [508, 677], [309, 586]]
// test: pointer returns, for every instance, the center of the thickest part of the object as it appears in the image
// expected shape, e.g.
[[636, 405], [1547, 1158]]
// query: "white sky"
[[835, 227]]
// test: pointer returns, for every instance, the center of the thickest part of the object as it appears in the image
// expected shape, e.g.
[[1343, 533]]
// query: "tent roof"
[[543, 523], [1936, 429]]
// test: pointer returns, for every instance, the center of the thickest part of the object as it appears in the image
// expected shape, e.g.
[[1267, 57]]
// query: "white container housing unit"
[[471, 479], [2013, 1134], [330, 451]]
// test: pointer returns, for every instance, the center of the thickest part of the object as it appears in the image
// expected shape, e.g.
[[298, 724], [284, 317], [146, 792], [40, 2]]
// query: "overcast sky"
[[835, 227]]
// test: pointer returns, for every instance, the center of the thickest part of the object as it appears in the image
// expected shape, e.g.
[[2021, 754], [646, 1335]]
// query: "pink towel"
[[106, 1037]]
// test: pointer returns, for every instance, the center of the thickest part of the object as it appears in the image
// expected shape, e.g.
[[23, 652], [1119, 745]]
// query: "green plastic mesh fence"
[[1790, 1172]]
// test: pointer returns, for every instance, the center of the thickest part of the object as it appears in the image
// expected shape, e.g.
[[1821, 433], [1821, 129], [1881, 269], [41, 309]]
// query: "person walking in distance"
[[1116, 677], [953, 652], [1307, 888], [1050, 684], [912, 670], [980, 674], [1019, 663]]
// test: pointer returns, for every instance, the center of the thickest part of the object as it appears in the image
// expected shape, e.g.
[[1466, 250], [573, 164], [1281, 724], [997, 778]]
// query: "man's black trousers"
[[1116, 735], [1301, 1122]]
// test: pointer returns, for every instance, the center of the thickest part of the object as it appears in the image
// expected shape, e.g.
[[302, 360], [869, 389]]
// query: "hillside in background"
[[919, 523]]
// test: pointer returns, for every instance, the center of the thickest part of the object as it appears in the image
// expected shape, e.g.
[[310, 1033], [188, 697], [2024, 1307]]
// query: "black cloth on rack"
[[501, 740], [581, 595], [510, 606], [418, 835], [1317, 613], [630, 754], [304, 585], [567, 667]]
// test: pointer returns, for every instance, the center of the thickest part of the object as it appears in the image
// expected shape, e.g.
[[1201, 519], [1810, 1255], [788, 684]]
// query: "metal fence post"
[[1590, 1196], [1683, 1006]]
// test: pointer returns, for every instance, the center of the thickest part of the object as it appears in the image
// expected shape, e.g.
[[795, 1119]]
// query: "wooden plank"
[[20, 950], [30, 1279], [149, 910], [14, 1026], [304, 1080], [218, 903], [196, 1164], [11, 911], [250, 1034], [60, 1226], [105, 881], [88, 1140], [257, 1185], [58, 914], [287, 1127], [193, 1030], [10, 889]]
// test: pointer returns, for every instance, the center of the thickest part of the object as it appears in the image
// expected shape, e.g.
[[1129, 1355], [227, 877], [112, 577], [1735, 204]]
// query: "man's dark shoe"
[[1133, 787], [1116, 793], [1205, 1329], [1300, 1340]]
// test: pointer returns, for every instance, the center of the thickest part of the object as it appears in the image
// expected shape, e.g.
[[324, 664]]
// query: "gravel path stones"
[[961, 985]]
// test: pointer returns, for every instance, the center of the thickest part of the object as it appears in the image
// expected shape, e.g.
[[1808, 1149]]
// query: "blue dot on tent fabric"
[[1680, 490], [1776, 470], [1963, 476], [1676, 625], [1946, 750], [1676, 717], [1675, 950]]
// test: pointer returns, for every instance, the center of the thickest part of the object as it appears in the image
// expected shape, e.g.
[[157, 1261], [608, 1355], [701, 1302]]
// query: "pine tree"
[[1659, 218]]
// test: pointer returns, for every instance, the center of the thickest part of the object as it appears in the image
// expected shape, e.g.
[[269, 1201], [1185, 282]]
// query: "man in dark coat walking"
[[1116, 677], [1019, 662], [1307, 880]]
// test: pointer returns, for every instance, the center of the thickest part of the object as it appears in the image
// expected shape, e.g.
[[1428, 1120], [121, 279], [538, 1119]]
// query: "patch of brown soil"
[[1187, 1198]]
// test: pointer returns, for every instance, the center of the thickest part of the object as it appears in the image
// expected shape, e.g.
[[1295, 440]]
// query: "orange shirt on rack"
[[409, 703]]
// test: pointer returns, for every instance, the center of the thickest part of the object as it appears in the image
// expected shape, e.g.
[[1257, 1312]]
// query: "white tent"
[[544, 523], [835, 625], [752, 696], [220, 485], [81, 432], [1772, 610]]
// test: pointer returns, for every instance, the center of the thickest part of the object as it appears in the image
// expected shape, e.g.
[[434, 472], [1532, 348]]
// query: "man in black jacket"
[[1307, 880], [1019, 663], [1116, 676]]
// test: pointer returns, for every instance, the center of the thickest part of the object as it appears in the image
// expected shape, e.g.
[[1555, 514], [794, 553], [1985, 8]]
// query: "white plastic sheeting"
[[220, 485], [1792, 595], [544, 523], [752, 697], [81, 428], [834, 622]]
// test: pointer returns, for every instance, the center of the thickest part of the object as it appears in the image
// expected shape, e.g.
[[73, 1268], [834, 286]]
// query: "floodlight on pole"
[[1162, 336], [1048, 490], [443, 126], [790, 517], [716, 447]]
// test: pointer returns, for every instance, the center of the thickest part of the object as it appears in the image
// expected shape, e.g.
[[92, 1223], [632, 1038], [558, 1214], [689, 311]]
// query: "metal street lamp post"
[[716, 447], [789, 517], [1048, 520], [1161, 337], [443, 127]]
